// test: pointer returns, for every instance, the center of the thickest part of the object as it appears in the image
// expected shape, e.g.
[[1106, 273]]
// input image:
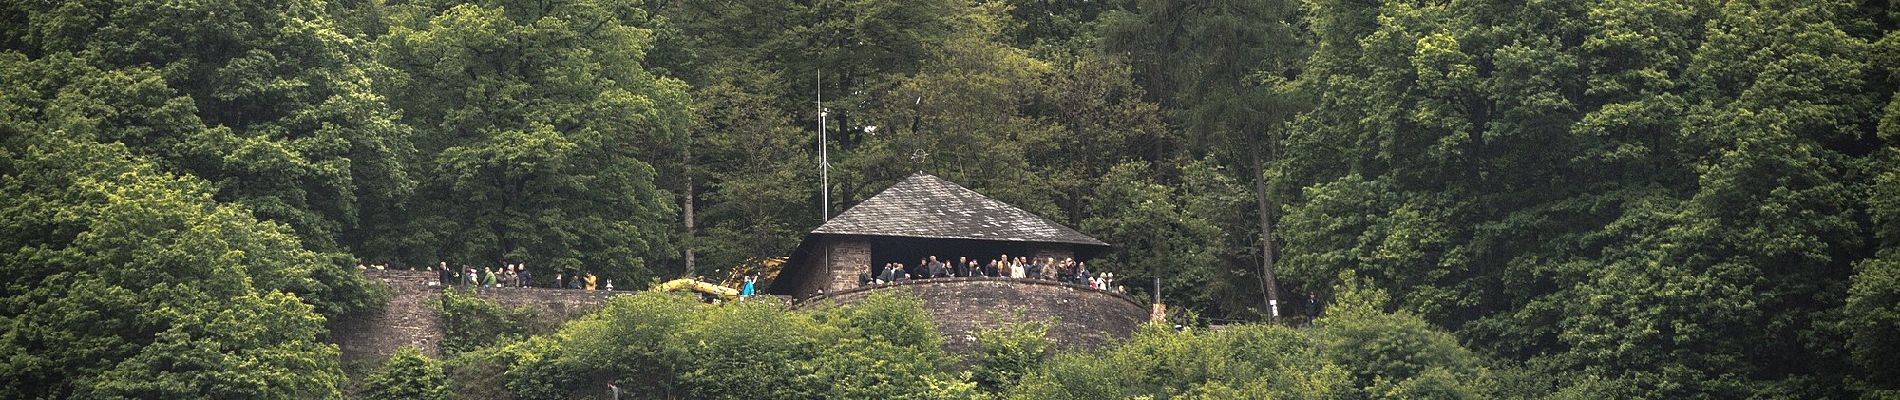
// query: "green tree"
[[1073, 25], [1183, 249], [64, 95], [1225, 71], [1767, 227], [1100, 120], [1564, 182], [958, 118], [129, 281], [539, 122], [300, 139], [859, 47], [754, 168], [1872, 311]]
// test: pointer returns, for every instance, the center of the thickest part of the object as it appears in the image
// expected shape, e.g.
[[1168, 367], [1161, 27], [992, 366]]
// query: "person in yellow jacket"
[[590, 281]]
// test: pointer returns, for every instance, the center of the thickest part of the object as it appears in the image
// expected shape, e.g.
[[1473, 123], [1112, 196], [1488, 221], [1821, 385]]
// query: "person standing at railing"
[[443, 275], [526, 279]]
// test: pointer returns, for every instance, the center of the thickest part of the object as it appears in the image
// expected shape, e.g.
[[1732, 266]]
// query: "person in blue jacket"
[[749, 280]]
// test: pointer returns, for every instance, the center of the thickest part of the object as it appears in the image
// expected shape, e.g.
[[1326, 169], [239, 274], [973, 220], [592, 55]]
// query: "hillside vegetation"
[[1506, 199]]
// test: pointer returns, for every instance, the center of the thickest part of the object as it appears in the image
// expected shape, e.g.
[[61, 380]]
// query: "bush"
[[1245, 361], [624, 343], [407, 375], [478, 373], [470, 321], [887, 348], [1005, 353], [1396, 355], [661, 345]]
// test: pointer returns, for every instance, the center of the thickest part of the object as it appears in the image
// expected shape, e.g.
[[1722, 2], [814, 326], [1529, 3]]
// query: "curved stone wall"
[[410, 318], [1084, 317]]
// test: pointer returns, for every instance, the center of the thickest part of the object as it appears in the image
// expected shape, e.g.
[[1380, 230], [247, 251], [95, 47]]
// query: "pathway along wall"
[[410, 317], [1085, 318]]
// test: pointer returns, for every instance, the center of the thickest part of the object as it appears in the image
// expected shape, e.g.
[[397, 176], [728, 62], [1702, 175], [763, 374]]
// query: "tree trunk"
[[1269, 285], [686, 204]]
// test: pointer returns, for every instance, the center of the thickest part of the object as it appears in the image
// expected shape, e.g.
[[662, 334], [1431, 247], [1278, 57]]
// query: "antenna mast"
[[824, 159]]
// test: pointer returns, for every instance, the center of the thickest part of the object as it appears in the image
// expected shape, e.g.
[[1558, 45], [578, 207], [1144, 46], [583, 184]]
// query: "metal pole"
[[824, 156]]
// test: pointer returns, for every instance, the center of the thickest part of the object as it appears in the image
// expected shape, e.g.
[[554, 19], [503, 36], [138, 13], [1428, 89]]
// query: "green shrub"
[[661, 345], [624, 343], [470, 321], [478, 373], [1005, 353], [1396, 355], [887, 347], [408, 375], [1245, 361]]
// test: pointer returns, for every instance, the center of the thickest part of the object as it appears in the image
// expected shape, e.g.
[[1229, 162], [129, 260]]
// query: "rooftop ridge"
[[926, 206]]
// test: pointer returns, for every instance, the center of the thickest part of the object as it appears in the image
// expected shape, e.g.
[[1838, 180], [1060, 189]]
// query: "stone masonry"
[[410, 317], [849, 256], [1085, 318]]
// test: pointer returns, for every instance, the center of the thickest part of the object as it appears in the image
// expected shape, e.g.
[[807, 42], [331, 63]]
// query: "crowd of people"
[[1067, 270], [512, 276]]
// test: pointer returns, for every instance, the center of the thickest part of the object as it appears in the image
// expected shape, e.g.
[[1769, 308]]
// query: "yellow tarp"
[[697, 286]]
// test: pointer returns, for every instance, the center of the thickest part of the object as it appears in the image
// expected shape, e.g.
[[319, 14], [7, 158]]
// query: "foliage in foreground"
[[1674, 198], [469, 321], [1005, 353], [407, 375], [125, 281], [662, 345], [1357, 351]]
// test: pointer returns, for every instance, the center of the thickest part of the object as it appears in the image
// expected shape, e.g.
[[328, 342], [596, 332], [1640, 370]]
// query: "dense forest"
[[1510, 199]]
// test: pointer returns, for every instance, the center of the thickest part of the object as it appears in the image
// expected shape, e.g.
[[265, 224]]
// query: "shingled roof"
[[926, 206]]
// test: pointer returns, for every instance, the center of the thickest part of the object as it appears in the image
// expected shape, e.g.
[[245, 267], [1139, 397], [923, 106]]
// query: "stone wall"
[[849, 257], [410, 317], [1085, 317]]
